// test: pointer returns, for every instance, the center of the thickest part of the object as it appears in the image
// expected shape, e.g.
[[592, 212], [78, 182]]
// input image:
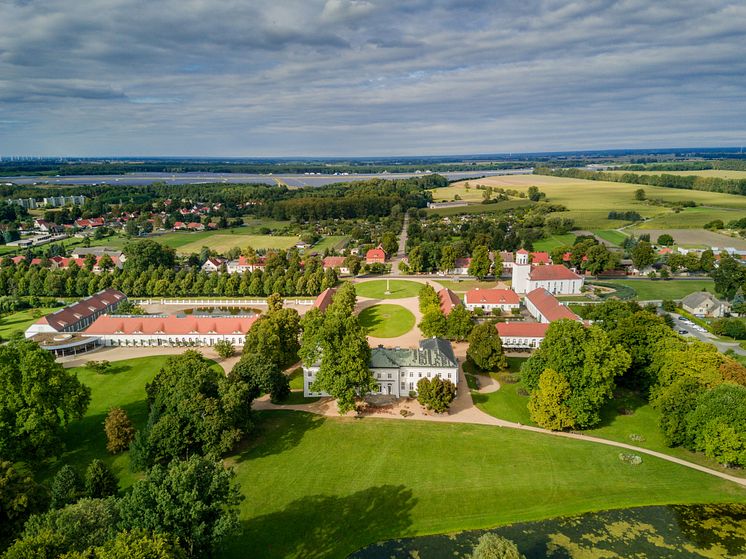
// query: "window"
[[403, 385], [411, 386], [389, 375], [420, 375]]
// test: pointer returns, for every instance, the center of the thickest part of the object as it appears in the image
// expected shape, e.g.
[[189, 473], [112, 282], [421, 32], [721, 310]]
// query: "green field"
[[479, 208], [336, 242], [610, 235], [689, 218], [323, 487], [15, 323], [387, 321], [638, 425], [187, 242], [398, 289], [554, 241], [589, 202], [652, 290], [319, 488], [124, 386]]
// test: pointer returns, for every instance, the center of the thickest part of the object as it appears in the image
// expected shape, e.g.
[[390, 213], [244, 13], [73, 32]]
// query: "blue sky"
[[365, 77]]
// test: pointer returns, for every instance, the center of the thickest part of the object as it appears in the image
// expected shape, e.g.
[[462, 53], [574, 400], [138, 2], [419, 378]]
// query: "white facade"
[[396, 381], [557, 287], [526, 278], [166, 340]]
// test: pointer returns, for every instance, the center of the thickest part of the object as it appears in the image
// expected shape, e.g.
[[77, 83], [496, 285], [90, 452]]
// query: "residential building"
[[540, 258], [28, 203], [460, 267], [336, 263], [555, 278], [90, 223], [704, 304], [545, 307], [324, 299], [60, 201], [243, 264], [448, 301], [212, 264], [489, 299], [398, 370], [168, 330], [508, 259], [522, 335], [375, 256], [82, 252]]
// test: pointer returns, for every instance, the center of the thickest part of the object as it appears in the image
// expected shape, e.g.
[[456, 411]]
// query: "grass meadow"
[[387, 321], [652, 290], [323, 487], [589, 202], [398, 289], [15, 323]]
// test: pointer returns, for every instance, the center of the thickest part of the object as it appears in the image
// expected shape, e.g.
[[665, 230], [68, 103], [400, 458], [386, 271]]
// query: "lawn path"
[[463, 410]]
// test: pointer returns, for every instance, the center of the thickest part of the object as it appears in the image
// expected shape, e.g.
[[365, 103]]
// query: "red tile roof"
[[552, 272], [324, 299], [334, 262], [540, 258], [375, 255], [522, 329], [462, 263], [549, 306], [448, 301], [492, 297], [171, 325]]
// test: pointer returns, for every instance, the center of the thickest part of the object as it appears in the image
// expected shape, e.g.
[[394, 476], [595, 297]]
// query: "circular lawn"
[[399, 289], [387, 321]]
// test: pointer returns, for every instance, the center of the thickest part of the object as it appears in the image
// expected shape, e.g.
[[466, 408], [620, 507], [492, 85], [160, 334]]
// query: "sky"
[[260, 78]]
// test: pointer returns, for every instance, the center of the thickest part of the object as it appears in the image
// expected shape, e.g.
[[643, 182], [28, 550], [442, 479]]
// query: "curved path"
[[463, 410]]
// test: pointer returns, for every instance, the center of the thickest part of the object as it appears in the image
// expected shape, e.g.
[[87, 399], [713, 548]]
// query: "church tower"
[[521, 271]]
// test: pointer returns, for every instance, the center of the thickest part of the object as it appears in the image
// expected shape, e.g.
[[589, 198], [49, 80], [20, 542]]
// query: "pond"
[[674, 532], [222, 311]]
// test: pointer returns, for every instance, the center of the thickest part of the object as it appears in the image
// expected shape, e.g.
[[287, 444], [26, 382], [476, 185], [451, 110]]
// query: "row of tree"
[[457, 325]]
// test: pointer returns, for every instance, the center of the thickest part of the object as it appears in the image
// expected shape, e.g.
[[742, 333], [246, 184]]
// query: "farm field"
[[479, 208], [589, 202], [692, 217], [186, 242], [652, 290], [398, 289], [369, 480], [471, 194], [17, 322], [694, 238], [554, 241], [611, 236], [386, 321], [716, 173]]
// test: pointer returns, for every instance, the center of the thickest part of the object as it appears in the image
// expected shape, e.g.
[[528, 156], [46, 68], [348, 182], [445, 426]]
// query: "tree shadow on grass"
[[322, 526], [624, 403], [275, 432]]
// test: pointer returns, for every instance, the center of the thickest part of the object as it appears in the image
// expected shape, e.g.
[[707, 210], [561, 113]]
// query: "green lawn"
[[554, 241], [614, 237], [324, 487], [335, 242], [628, 419], [387, 321], [124, 386], [187, 242], [398, 289], [647, 290], [17, 322]]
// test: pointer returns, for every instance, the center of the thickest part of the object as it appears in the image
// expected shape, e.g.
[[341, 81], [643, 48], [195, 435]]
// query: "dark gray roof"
[[433, 352]]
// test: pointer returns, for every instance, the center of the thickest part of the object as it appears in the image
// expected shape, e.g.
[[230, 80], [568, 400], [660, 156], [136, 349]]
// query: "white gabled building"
[[490, 299], [555, 278], [522, 335], [398, 370]]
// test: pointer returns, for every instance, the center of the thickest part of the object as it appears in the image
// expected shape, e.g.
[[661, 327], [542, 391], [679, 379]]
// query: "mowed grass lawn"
[[387, 321], [651, 290], [17, 322], [589, 202], [123, 387], [553, 241], [323, 487], [637, 425], [610, 235], [398, 289]]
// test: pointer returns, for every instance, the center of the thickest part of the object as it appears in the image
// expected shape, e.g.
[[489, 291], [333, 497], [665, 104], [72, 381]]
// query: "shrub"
[[492, 546], [629, 458], [224, 349], [436, 394], [100, 367], [100, 481]]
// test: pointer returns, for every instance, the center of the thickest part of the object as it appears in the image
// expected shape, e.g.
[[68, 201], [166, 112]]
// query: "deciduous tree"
[[436, 394], [100, 481], [548, 403], [119, 431], [480, 262], [486, 348]]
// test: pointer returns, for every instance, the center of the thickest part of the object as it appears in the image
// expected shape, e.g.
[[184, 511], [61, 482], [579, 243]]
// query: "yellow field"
[[589, 202], [703, 173]]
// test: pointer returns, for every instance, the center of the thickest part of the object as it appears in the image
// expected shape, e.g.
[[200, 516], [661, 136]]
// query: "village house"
[[243, 264], [489, 299], [375, 256], [397, 370], [336, 263], [212, 264], [460, 267], [704, 304], [448, 301]]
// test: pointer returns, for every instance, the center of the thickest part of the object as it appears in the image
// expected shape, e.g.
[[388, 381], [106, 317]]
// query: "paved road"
[[402, 251], [688, 330]]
